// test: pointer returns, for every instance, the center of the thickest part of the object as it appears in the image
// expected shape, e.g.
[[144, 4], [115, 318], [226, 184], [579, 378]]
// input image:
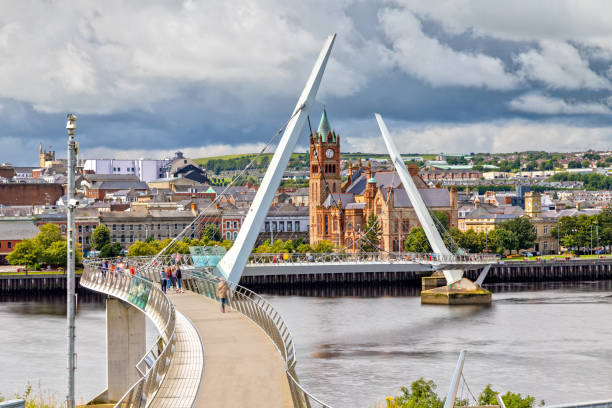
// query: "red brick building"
[[30, 193]]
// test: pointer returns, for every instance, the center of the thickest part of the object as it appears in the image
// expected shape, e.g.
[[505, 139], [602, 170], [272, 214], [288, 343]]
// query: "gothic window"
[[405, 226], [326, 225]]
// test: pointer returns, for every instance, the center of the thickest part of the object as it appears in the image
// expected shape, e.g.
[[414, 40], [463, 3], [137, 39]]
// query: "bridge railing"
[[261, 312], [367, 257], [154, 365]]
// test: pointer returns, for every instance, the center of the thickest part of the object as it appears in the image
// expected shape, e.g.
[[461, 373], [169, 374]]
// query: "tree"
[[56, 253], [212, 232], [502, 240], [442, 218], [49, 233], [472, 241], [27, 252], [140, 248], [524, 231], [323, 246], [100, 237], [111, 250], [489, 397], [304, 248], [371, 241], [421, 394], [417, 241]]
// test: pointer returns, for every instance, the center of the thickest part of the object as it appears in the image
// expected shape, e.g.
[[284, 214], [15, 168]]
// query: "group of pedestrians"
[[115, 267], [171, 277]]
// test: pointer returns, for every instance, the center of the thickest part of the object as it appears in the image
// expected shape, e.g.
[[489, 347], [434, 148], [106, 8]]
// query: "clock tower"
[[324, 168]]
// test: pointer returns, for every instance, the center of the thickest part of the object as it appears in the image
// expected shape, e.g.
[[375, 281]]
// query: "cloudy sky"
[[213, 77]]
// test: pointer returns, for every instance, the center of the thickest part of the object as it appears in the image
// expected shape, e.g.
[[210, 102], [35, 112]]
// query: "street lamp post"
[[591, 238], [72, 203]]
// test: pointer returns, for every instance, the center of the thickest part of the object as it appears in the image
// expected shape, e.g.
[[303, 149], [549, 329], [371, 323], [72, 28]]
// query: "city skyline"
[[446, 78]]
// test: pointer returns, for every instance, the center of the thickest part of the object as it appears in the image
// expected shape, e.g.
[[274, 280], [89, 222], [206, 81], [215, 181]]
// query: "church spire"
[[324, 129]]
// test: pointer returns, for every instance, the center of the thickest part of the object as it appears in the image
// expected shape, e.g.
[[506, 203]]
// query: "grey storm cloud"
[[149, 77]]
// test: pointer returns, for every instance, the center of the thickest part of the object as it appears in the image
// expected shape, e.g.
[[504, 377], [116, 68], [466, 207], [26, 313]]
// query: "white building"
[[146, 170]]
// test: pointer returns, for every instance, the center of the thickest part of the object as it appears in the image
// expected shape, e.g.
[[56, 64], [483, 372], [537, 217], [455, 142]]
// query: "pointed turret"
[[324, 128]]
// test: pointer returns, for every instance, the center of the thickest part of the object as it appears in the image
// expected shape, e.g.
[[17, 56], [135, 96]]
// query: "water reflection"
[[550, 340]]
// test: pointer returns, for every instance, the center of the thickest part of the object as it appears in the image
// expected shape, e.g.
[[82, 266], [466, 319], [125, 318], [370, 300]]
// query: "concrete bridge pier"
[[125, 346]]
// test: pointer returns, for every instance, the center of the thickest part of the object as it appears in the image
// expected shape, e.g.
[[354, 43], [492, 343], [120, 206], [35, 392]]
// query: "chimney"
[[194, 208], [413, 169], [217, 205]]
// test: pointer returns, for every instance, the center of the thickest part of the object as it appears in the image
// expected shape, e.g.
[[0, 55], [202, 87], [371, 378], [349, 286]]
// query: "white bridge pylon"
[[232, 264], [427, 222]]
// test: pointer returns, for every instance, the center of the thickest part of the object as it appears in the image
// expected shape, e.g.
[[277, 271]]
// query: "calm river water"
[[553, 341]]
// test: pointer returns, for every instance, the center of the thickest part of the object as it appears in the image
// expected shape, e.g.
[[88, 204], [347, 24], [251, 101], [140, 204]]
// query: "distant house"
[[192, 172], [13, 230], [98, 185]]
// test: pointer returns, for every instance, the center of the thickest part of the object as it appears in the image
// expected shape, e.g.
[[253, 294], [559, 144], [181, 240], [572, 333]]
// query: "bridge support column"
[[125, 346]]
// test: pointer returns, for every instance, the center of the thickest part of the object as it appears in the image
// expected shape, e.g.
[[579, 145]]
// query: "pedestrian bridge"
[[201, 357], [377, 262]]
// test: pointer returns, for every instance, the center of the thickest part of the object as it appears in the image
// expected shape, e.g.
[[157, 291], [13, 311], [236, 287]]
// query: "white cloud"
[[538, 103], [521, 20], [93, 57], [438, 64], [559, 66], [501, 136]]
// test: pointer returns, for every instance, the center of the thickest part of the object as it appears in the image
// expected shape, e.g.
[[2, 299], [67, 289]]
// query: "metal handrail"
[[154, 365], [368, 257], [263, 314]]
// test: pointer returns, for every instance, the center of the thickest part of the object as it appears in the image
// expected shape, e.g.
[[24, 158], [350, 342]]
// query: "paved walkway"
[[180, 386], [242, 367]]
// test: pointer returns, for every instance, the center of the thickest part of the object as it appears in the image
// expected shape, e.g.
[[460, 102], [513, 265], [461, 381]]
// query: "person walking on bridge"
[[223, 293], [162, 279]]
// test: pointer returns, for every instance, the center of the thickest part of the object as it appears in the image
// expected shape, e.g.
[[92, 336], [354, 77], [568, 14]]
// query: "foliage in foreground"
[[422, 394], [38, 399]]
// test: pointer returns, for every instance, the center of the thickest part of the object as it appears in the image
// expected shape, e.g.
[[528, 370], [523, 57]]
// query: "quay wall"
[[527, 271], [34, 283], [508, 272]]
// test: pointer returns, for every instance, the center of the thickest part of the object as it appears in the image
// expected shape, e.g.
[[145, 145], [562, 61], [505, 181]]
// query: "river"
[[553, 341]]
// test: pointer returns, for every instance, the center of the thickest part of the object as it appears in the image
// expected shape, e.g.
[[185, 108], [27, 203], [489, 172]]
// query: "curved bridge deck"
[[242, 366]]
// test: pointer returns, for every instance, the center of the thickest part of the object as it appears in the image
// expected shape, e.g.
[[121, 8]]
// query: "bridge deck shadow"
[[242, 366]]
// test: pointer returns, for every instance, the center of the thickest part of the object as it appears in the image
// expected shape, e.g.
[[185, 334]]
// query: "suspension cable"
[[218, 196]]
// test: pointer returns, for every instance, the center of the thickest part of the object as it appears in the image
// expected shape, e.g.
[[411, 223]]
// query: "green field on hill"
[[296, 156]]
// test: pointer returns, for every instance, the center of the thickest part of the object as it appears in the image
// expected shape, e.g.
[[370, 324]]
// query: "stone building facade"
[[339, 210]]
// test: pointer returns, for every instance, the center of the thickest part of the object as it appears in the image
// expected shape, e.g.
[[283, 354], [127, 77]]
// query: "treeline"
[[512, 235], [503, 187], [592, 181], [298, 161], [298, 246], [585, 231]]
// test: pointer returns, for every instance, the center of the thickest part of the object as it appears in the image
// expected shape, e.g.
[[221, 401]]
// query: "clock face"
[[329, 153]]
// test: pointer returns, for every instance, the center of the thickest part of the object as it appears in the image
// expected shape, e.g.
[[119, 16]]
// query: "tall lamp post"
[[72, 203]]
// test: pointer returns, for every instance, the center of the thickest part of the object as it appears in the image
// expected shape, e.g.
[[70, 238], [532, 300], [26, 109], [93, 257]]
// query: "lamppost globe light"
[[71, 123]]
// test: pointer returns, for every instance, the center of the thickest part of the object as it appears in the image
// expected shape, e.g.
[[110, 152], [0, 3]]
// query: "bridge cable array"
[[168, 248]]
